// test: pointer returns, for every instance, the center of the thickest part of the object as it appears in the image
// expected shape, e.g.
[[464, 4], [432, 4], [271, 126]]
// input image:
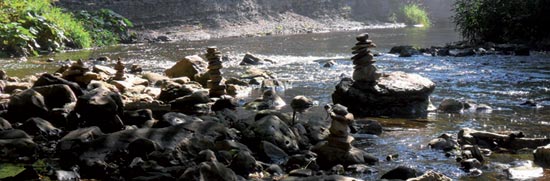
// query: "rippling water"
[[503, 82]]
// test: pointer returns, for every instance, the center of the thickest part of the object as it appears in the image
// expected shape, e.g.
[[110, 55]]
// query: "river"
[[502, 82]]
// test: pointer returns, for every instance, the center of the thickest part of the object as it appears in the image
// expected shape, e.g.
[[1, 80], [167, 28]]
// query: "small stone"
[[362, 37]]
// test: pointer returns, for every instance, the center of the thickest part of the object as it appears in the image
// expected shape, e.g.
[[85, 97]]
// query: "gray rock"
[[4, 124], [101, 107], [272, 129], [57, 95], [542, 156], [401, 173], [444, 142], [431, 175], [26, 104], [250, 59], [368, 126], [272, 154], [243, 164], [451, 106], [396, 94], [404, 50], [38, 126], [16, 143]]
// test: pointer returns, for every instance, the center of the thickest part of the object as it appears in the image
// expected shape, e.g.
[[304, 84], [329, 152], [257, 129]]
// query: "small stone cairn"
[[76, 69], [363, 60], [339, 136], [215, 84], [119, 67]]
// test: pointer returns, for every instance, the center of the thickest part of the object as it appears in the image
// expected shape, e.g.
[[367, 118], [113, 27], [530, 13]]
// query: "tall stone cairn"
[[363, 60], [119, 67], [215, 84]]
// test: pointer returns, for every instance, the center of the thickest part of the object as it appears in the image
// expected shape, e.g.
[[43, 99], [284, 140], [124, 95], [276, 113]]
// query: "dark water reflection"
[[503, 82]]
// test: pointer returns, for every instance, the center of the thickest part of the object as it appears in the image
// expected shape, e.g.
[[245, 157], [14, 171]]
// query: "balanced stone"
[[362, 37], [366, 73], [119, 67], [215, 84]]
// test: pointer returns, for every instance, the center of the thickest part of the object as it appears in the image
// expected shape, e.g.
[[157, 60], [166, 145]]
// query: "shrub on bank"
[[30, 27], [413, 14], [503, 21]]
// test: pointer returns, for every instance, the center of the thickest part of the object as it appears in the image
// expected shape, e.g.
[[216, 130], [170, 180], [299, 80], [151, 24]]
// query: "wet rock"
[[57, 95], [225, 102], [274, 170], [172, 92], [49, 79], [142, 147], [444, 142], [542, 156], [471, 163], [269, 100], [524, 170], [302, 160], [101, 107], [142, 118], [26, 104], [530, 102], [404, 51], [38, 126], [451, 106], [272, 129], [494, 140], [250, 59], [430, 175], [401, 173], [462, 52], [396, 94], [368, 126], [270, 153], [360, 168], [188, 66], [243, 164], [329, 64]]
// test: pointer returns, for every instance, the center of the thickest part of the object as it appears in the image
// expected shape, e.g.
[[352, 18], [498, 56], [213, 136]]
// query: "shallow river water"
[[502, 82]]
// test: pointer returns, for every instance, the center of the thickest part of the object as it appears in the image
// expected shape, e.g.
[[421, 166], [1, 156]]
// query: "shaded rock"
[[189, 66], [401, 173], [301, 172], [101, 107], [243, 163], [225, 102], [38, 126], [542, 156], [330, 156], [431, 175], [142, 147], [522, 51], [216, 171], [272, 129], [10, 87], [451, 106], [444, 142], [250, 59], [322, 177], [49, 79], [57, 95], [16, 143], [103, 69], [274, 170], [26, 104], [302, 160], [141, 118], [174, 118], [270, 153], [269, 100], [396, 94], [404, 51], [471, 163], [195, 103], [493, 140], [368, 126], [4, 124], [172, 92]]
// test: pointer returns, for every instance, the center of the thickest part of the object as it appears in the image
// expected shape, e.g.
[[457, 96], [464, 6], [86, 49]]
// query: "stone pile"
[[363, 60], [76, 69], [119, 67], [215, 84]]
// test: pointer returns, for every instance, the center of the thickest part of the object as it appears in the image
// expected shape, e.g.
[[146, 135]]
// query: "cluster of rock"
[[104, 123], [371, 93], [463, 49]]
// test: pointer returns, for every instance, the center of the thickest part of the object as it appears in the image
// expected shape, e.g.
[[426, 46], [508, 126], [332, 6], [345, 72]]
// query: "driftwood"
[[514, 141]]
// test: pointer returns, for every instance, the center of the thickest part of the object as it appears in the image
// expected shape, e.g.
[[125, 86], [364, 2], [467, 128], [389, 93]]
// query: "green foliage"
[[499, 21], [8, 169], [413, 14], [106, 27], [29, 26]]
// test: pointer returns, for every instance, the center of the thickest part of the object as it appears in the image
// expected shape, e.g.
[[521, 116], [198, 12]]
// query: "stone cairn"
[[119, 67], [363, 60], [76, 69], [342, 120], [215, 84]]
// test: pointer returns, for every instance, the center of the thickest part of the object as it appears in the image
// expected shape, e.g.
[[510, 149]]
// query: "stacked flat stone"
[[76, 69], [215, 84], [363, 60], [119, 67]]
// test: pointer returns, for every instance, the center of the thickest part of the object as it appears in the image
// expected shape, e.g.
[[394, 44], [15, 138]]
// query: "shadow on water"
[[503, 82]]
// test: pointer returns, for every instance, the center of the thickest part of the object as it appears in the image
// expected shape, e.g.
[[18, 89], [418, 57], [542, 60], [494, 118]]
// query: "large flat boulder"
[[188, 66], [395, 94]]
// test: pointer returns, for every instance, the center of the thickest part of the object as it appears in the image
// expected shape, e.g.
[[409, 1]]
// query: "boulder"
[[195, 103], [189, 66], [209, 171], [451, 106], [172, 92], [542, 156], [16, 143], [494, 141], [272, 129], [404, 51], [443, 142], [142, 118], [243, 163], [462, 52], [270, 153], [49, 79], [38, 126], [396, 94], [26, 104], [250, 59], [401, 173], [431, 175], [4, 124], [56, 95], [174, 118], [330, 156], [101, 107], [368, 126], [154, 77]]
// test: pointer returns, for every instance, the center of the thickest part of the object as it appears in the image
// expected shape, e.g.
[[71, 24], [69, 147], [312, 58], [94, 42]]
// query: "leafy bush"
[[413, 14], [499, 21], [106, 27], [30, 26]]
